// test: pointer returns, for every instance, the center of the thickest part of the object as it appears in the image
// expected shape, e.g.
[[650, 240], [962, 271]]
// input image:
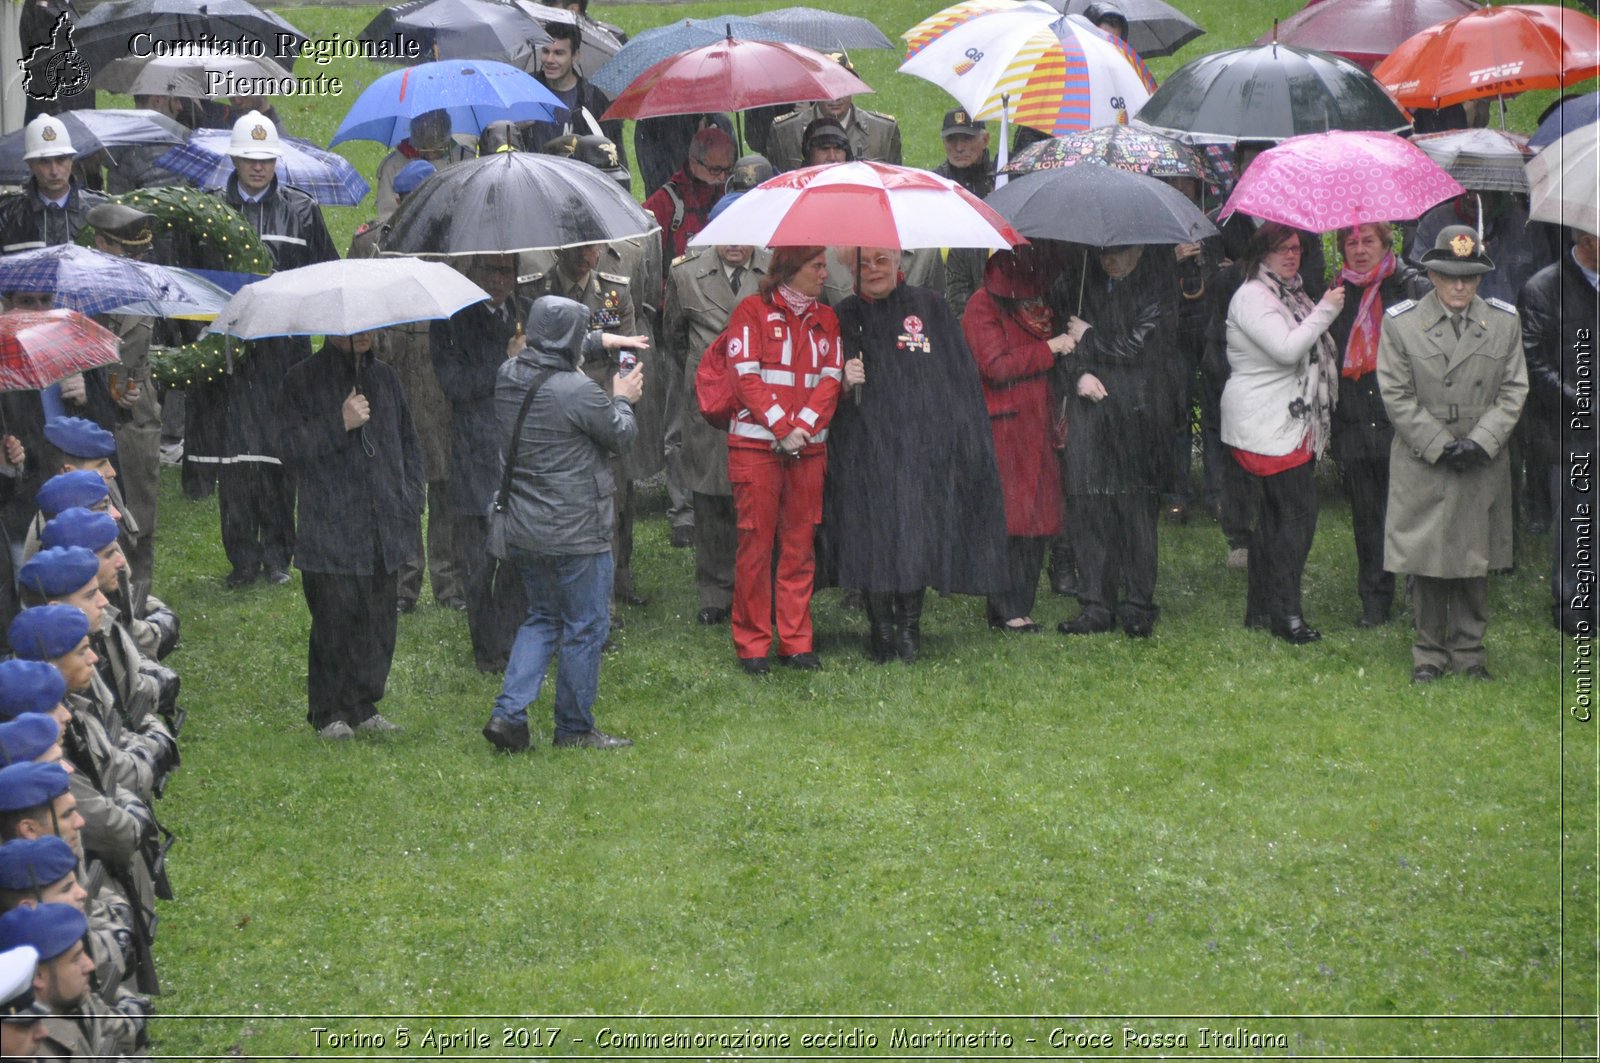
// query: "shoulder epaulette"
[[1399, 308], [1501, 304], [786, 117], [530, 278], [879, 114], [611, 278], [679, 260]]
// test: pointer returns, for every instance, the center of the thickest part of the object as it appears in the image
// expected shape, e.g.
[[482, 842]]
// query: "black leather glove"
[[1463, 455], [165, 621]]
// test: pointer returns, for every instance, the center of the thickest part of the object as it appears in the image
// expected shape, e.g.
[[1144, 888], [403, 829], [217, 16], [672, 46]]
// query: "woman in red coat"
[[784, 347], [1008, 326]]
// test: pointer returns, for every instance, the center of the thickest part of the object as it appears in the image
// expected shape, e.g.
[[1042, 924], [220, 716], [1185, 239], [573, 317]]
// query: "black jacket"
[[468, 350], [1556, 304], [360, 492], [1361, 428], [26, 222], [289, 223], [537, 134], [977, 178]]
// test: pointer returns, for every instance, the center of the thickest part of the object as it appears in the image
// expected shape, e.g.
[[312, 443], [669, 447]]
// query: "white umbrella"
[[345, 297], [206, 73], [1565, 181]]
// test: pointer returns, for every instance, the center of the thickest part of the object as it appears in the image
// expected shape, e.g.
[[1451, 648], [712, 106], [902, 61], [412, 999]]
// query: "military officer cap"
[[842, 59], [29, 686], [499, 136], [748, 172], [30, 785], [26, 738], [78, 437], [601, 153], [80, 487], [122, 223], [960, 123], [1457, 252], [79, 527], [824, 130], [50, 928], [17, 1005], [411, 175], [59, 570], [564, 145], [47, 632], [28, 863]]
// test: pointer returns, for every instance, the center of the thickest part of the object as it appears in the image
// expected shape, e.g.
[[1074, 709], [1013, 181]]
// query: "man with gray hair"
[[683, 204]]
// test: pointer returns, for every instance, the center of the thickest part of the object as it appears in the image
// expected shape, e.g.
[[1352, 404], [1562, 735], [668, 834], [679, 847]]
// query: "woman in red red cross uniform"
[[784, 350]]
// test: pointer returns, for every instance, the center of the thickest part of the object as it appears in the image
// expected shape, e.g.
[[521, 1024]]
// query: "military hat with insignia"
[[1457, 252], [121, 223], [748, 172], [601, 153], [960, 123]]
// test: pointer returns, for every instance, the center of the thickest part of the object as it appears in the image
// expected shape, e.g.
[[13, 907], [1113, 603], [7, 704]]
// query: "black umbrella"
[[826, 31], [1154, 28], [131, 27], [514, 201], [456, 29], [1272, 92], [1100, 206]]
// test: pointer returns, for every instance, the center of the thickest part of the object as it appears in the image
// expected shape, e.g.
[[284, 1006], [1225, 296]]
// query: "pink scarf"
[[1361, 352], [796, 301]]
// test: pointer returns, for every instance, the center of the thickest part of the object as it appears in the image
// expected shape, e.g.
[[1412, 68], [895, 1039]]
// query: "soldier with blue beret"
[[80, 487], [30, 865], [59, 571], [28, 737], [81, 438], [48, 633], [78, 1027], [29, 686], [80, 527]]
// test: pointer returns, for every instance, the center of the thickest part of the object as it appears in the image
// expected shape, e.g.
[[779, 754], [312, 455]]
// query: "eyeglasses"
[[714, 171], [1287, 249]]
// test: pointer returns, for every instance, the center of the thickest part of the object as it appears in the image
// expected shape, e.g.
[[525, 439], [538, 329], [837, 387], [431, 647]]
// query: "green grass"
[[1210, 823]]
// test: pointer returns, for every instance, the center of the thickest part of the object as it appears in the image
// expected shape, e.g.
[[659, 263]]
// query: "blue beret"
[[46, 632], [723, 204], [411, 175], [25, 786], [27, 737], [29, 686], [80, 438], [77, 526], [59, 570], [50, 928], [28, 863], [80, 487]]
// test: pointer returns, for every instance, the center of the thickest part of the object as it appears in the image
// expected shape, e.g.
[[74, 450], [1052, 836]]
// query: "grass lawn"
[[1036, 837]]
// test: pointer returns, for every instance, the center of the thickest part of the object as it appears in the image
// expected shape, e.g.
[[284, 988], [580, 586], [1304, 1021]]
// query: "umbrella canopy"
[[1135, 148], [870, 204], [109, 31], [735, 75], [203, 74], [1129, 208], [474, 91], [1487, 160], [514, 201], [92, 282], [40, 348], [1051, 72], [1564, 180], [92, 131], [1570, 115], [344, 297], [1497, 51], [455, 29], [599, 43], [1326, 181], [1155, 27], [1363, 31], [650, 47], [826, 31], [328, 177], [1272, 93]]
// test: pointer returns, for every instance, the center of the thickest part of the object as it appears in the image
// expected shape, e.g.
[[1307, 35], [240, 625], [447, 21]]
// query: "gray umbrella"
[[344, 297], [1484, 160], [826, 31], [1154, 28], [1100, 206]]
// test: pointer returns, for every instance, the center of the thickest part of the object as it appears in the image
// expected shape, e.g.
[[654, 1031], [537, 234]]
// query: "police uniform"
[[1453, 401], [873, 136]]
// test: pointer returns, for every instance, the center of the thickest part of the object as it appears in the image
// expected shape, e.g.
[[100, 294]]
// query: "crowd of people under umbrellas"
[[892, 422]]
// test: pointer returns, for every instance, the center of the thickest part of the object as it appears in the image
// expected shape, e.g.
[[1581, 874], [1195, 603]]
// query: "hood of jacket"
[[557, 326]]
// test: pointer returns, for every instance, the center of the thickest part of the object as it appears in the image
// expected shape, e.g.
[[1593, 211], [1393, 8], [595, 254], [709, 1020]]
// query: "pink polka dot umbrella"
[[1324, 181]]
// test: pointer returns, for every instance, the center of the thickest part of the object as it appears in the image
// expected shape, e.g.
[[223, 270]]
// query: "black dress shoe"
[[240, 578], [630, 598], [1373, 616], [405, 605], [711, 616], [1032, 627], [1085, 623], [806, 662], [506, 736], [595, 739], [755, 665], [1426, 673], [1478, 672], [1140, 628], [1295, 630], [277, 576]]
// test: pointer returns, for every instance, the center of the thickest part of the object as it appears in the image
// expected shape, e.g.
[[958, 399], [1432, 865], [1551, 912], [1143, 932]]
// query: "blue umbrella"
[[329, 177], [1572, 114], [474, 91], [650, 47], [92, 282], [92, 130]]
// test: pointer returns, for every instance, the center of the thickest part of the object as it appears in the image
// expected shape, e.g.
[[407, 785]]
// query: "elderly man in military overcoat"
[[1453, 380]]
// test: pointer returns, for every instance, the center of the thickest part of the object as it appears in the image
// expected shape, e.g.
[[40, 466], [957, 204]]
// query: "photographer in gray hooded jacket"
[[557, 517]]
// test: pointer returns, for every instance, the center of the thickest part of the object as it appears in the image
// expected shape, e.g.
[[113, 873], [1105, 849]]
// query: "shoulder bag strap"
[[503, 496]]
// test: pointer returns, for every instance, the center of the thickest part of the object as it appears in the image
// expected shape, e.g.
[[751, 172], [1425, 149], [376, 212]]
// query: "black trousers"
[[496, 601], [1367, 480], [256, 500], [1114, 538], [1024, 558], [352, 645], [1280, 542], [716, 541]]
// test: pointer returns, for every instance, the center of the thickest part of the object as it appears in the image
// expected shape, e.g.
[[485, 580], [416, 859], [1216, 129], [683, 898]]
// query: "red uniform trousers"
[[779, 502]]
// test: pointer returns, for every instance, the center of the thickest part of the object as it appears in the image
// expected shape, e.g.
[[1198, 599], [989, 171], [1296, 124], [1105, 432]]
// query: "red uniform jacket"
[[790, 370]]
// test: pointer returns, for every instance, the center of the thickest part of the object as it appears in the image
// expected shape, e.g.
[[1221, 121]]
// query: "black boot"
[[908, 625], [880, 627], [1063, 568]]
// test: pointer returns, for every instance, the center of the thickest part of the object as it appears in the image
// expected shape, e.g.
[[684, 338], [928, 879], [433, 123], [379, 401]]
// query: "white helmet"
[[255, 137], [45, 137]]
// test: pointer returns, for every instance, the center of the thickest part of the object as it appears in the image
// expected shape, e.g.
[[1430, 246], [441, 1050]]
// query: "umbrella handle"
[[1083, 276]]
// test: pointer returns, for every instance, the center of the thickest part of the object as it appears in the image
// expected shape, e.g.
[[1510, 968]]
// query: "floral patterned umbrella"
[[1125, 147], [1325, 181], [43, 347]]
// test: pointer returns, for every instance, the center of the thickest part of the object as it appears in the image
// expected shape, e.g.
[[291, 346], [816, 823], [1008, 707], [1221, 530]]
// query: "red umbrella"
[[734, 75], [44, 347], [1498, 51], [1363, 31]]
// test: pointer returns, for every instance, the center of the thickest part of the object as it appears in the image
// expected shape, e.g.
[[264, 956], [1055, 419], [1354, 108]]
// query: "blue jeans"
[[569, 617]]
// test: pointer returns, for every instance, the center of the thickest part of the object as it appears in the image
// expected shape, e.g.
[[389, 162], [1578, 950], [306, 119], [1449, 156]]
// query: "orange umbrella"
[[1498, 51]]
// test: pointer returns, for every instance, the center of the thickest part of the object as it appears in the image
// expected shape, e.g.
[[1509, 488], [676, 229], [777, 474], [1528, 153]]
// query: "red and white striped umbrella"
[[865, 204], [43, 347]]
